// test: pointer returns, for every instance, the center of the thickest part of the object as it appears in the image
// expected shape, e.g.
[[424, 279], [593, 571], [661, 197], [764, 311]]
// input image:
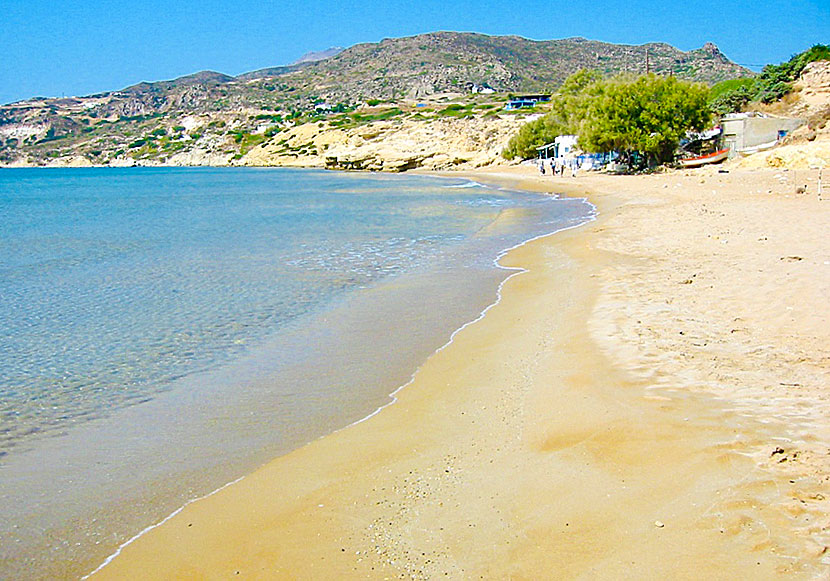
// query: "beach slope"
[[646, 400]]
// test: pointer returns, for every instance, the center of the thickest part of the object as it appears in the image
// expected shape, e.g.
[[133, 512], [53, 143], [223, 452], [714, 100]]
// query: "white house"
[[565, 145]]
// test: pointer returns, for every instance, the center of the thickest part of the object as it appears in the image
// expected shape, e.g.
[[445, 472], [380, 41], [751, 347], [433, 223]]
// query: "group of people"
[[558, 167]]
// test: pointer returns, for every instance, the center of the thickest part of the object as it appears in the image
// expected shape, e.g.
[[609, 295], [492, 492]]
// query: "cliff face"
[[394, 145], [813, 94]]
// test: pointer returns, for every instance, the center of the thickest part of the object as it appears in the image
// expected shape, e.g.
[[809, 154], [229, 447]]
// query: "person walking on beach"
[[541, 167]]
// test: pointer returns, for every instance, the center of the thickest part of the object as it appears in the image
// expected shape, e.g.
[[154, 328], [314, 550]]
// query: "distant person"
[[541, 167]]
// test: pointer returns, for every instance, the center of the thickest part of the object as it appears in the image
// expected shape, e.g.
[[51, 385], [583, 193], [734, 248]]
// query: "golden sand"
[[648, 401]]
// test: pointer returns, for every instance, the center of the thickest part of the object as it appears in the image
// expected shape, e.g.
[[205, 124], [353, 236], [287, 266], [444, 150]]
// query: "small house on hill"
[[484, 89], [522, 101]]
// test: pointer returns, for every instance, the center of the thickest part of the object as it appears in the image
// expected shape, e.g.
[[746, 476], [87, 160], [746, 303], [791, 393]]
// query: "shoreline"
[[393, 399], [545, 438], [411, 346]]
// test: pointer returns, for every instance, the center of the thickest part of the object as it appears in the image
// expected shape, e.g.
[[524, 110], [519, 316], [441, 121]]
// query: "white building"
[[565, 145], [750, 132]]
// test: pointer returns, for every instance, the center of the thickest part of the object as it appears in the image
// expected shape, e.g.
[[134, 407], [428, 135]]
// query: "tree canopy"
[[648, 114], [567, 110]]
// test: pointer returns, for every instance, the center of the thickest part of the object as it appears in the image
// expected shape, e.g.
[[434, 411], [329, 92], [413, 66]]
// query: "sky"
[[56, 48]]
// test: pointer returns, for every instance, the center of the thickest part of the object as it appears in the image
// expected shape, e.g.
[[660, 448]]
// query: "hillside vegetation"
[[211, 118], [773, 83]]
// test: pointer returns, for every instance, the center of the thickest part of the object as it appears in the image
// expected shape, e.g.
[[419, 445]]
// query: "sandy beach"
[[647, 400]]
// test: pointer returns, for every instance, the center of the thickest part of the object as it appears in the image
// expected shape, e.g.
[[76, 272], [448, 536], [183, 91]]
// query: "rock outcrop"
[[813, 90], [808, 146], [391, 145]]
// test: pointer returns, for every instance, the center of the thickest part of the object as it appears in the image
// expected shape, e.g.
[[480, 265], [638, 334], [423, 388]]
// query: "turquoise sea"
[[164, 331]]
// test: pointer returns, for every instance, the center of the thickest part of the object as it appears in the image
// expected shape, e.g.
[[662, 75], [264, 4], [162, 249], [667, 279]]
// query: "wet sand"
[[647, 400]]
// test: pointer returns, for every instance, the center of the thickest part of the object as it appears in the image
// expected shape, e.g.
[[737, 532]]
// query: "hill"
[[314, 56], [209, 117], [451, 61], [808, 146]]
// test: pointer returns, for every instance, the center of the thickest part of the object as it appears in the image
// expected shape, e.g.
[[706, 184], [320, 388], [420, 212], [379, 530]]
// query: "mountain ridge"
[[317, 57], [314, 56], [118, 124]]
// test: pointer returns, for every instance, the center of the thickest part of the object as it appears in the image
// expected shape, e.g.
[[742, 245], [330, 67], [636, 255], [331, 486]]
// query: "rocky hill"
[[429, 140], [808, 146], [314, 56], [451, 61], [209, 117]]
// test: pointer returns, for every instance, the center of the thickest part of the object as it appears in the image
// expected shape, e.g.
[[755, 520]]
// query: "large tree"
[[567, 109], [648, 115]]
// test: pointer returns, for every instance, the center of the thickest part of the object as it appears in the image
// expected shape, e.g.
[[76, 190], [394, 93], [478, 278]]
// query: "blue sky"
[[61, 47]]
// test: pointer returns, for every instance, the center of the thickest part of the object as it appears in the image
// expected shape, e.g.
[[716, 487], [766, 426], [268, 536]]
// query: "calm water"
[[196, 322]]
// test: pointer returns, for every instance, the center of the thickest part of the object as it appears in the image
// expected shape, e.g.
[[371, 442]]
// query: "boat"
[[716, 157], [757, 148]]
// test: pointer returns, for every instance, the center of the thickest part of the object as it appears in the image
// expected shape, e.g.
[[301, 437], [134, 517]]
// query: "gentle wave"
[[465, 185], [393, 399], [151, 289]]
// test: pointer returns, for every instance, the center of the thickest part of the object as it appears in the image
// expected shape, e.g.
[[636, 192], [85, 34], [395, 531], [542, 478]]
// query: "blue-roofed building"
[[522, 101]]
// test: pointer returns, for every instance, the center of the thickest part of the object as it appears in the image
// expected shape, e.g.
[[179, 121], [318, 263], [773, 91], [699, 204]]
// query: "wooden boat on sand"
[[716, 157]]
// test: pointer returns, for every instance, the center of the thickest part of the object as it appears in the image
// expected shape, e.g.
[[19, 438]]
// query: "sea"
[[164, 331]]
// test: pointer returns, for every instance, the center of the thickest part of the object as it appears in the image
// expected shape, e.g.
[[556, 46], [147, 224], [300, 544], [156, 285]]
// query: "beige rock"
[[73, 161], [813, 89], [809, 146], [810, 155], [391, 145]]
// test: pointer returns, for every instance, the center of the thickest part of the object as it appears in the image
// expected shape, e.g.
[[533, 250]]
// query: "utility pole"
[[648, 63]]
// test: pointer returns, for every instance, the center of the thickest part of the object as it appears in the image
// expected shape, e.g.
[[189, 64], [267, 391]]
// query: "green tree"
[[732, 101], [731, 96], [532, 135], [579, 81], [568, 108], [648, 115]]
